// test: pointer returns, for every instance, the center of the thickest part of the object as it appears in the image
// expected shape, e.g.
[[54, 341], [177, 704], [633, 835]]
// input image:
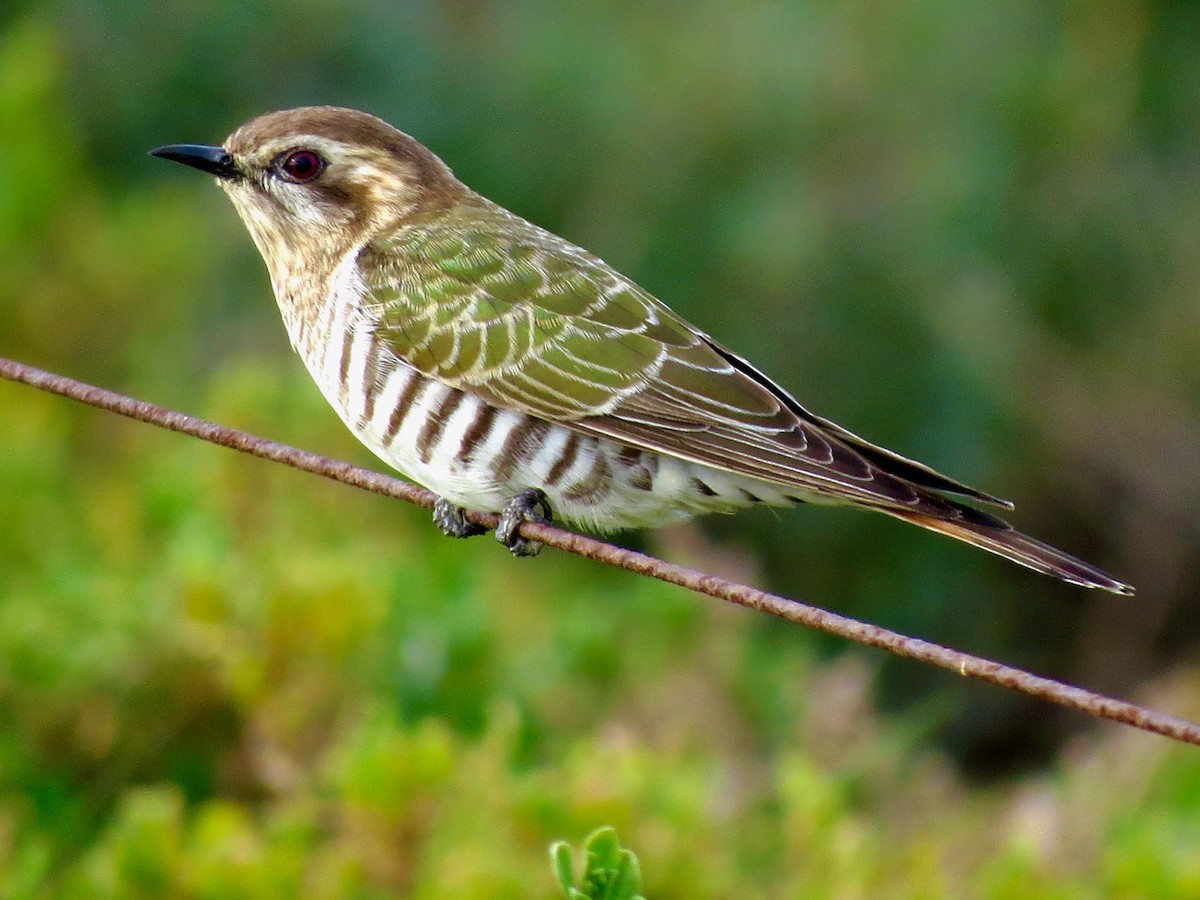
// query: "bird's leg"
[[452, 521], [523, 508]]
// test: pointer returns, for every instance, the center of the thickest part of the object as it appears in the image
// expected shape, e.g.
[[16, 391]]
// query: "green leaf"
[[626, 879], [560, 859]]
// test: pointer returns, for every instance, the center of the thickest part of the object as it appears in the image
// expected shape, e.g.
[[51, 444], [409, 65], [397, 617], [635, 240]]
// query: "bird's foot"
[[523, 508], [452, 520]]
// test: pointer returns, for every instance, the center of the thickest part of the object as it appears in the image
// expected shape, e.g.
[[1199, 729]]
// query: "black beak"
[[213, 160]]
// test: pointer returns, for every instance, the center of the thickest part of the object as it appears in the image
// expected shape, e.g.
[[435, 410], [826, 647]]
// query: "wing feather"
[[505, 310]]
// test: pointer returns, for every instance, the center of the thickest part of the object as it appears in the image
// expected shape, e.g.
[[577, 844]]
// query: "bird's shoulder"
[[482, 264], [485, 300]]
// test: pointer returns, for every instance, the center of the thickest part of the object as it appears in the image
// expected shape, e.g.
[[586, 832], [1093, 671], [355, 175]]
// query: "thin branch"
[[791, 610]]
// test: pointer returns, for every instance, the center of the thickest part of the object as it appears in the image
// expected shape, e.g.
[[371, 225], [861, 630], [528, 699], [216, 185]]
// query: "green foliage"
[[609, 871], [971, 230]]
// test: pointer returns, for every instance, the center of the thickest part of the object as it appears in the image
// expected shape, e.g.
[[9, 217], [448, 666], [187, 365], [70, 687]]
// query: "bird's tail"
[[997, 536]]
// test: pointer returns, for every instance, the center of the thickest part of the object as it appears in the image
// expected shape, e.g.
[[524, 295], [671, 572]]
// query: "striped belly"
[[479, 456]]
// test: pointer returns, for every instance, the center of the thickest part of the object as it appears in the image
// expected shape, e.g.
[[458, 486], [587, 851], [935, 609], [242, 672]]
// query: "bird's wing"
[[529, 322]]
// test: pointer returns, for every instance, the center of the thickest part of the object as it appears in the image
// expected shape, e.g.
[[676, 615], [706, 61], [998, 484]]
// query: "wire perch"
[[963, 664]]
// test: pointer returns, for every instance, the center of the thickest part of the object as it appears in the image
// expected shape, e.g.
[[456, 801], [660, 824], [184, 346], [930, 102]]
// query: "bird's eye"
[[300, 166]]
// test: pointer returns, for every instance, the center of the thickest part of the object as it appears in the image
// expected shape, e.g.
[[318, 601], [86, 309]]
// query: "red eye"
[[301, 166]]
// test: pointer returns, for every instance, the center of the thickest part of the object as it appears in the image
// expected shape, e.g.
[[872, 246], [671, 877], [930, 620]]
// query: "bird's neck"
[[309, 288], [320, 287]]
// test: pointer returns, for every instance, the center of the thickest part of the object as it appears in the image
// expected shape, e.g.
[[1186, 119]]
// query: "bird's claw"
[[523, 508], [452, 520]]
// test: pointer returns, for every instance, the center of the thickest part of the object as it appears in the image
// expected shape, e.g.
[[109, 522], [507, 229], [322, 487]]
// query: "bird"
[[510, 371]]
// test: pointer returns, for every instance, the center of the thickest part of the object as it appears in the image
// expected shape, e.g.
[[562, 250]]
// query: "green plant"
[[609, 871]]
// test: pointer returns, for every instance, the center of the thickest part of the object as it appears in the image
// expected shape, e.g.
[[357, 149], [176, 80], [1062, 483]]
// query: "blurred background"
[[965, 231]]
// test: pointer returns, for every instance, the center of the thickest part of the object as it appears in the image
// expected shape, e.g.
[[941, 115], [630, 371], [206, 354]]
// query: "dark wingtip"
[[994, 501], [983, 530], [1120, 587]]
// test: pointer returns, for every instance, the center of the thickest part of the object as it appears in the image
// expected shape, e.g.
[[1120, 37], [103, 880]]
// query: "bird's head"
[[321, 180]]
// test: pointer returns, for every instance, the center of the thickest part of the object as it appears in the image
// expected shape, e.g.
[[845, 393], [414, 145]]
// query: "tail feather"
[[997, 536]]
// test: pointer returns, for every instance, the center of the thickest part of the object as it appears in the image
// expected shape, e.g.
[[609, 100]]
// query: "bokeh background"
[[966, 231]]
